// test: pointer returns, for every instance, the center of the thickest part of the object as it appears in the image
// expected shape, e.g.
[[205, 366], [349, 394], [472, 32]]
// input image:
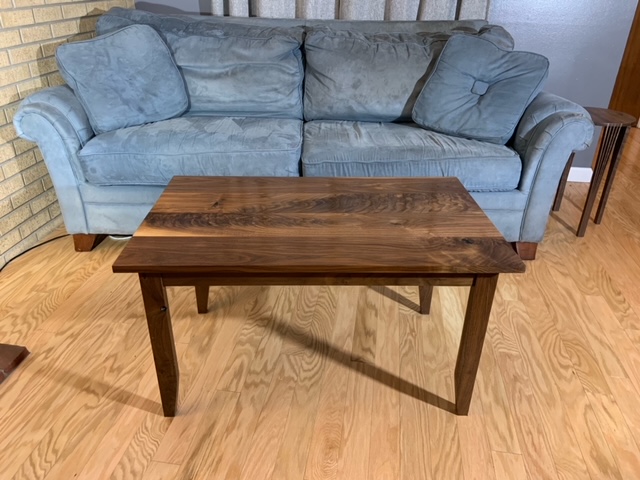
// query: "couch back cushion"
[[229, 68], [373, 77], [125, 78]]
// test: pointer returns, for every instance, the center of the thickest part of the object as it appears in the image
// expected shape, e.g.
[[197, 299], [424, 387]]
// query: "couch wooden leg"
[[87, 242], [526, 250]]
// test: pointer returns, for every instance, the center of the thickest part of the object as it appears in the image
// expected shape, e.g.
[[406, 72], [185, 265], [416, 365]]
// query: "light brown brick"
[[34, 173], [18, 164], [64, 29], [8, 95], [47, 183], [10, 38], [43, 66], [31, 86], [14, 74], [49, 229], [74, 10], [10, 186], [13, 219], [6, 152], [6, 4], [4, 59], [5, 207], [10, 111], [23, 146], [88, 24], [26, 194], [34, 223], [54, 210], [9, 240], [28, 3], [49, 48], [44, 200], [7, 134], [16, 18], [35, 34], [47, 14], [25, 54], [38, 155], [55, 79]]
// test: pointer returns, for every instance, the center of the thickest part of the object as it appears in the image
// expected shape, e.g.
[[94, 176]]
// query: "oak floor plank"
[[309, 364], [364, 337], [617, 434], [244, 418], [270, 428], [384, 449], [161, 471], [212, 343], [509, 466], [415, 460], [444, 441]]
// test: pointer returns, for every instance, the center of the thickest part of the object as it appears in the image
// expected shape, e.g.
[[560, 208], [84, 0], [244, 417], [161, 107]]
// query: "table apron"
[[173, 280]]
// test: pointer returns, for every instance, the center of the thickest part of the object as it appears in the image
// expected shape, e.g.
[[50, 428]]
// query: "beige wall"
[[30, 31]]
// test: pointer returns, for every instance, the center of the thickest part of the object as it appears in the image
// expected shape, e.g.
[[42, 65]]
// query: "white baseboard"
[[580, 174]]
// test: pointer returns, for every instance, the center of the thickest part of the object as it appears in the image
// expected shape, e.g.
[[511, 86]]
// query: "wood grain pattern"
[[86, 404], [316, 225]]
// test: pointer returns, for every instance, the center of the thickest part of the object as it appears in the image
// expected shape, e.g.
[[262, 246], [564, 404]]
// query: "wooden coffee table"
[[207, 231]]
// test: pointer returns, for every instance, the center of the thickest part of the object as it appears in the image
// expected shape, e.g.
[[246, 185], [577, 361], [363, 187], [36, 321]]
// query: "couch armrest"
[[549, 131], [57, 122]]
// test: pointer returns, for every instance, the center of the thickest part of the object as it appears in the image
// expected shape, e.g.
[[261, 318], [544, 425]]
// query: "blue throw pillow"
[[478, 90], [124, 78]]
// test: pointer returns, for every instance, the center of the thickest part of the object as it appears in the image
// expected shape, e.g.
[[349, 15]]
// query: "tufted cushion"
[[477, 90], [124, 78], [351, 75]]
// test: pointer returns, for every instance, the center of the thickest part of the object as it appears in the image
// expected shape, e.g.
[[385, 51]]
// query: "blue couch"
[[298, 97]]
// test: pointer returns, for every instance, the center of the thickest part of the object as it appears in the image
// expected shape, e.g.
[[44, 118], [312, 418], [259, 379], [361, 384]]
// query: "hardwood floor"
[[329, 382]]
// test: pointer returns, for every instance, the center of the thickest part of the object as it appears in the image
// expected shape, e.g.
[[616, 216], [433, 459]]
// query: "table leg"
[[202, 298], [607, 145], [563, 183], [426, 292], [162, 344], [473, 331], [615, 160]]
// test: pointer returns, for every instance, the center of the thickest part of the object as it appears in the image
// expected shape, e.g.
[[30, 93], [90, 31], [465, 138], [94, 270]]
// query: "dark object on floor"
[[10, 357]]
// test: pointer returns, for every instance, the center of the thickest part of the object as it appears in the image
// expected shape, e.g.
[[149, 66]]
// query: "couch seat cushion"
[[360, 149], [125, 78], [152, 154]]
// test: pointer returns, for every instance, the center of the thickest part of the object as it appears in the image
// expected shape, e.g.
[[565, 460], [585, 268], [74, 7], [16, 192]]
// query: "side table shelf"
[[615, 127]]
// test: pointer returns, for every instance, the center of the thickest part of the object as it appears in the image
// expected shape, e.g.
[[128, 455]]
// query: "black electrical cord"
[[31, 248]]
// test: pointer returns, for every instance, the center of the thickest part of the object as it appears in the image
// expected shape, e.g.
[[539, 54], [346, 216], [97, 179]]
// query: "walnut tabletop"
[[422, 232], [227, 225]]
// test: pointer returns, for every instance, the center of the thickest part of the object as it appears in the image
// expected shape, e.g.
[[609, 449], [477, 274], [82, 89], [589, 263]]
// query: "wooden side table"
[[615, 127]]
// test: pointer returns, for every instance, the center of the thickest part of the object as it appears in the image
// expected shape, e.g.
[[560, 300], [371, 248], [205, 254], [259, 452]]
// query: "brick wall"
[[30, 31]]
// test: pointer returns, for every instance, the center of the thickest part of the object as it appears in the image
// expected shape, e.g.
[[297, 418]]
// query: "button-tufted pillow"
[[124, 78], [478, 90]]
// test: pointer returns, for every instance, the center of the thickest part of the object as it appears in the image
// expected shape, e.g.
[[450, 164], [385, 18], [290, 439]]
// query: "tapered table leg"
[[426, 292], [563, 183], [473, 332], [162, 344], [202, 298], [615, 160]]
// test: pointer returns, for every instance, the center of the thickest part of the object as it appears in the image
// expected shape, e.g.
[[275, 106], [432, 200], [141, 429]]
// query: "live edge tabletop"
[[299, 231]]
